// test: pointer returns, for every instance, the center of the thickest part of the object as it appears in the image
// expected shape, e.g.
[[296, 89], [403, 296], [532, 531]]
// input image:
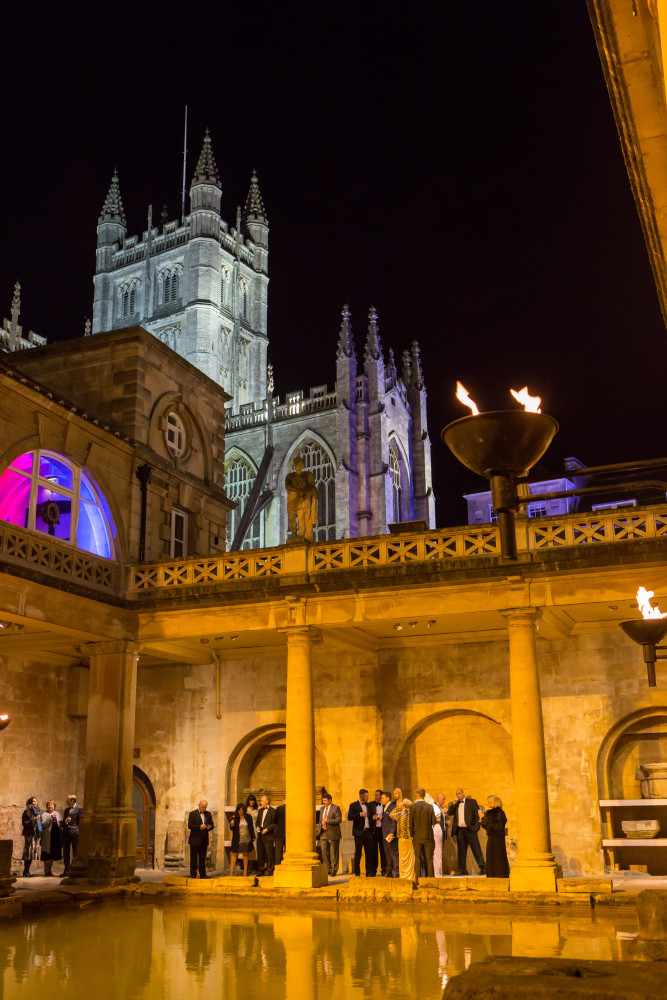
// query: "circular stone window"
[[175, 435]]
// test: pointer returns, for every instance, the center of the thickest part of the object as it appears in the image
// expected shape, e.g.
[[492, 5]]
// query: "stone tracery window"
[[396, 486], [317, 461], [47, 492], [127, 297], [239, 479], [170, 280]]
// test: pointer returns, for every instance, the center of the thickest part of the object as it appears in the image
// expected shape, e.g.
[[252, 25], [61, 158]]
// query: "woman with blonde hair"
[[406, 854], [494, 822], [51, 842]]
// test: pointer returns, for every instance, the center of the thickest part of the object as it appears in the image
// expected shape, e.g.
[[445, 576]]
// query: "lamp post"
[[647, 633]]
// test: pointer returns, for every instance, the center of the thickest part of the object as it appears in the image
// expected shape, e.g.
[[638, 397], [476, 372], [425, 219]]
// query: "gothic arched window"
[[239, 479], [396, 485], [170, 286], [317, 461], [44, 491], [127, 297]]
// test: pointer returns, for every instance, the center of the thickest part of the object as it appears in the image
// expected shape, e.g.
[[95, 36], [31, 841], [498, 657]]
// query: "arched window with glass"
[[396, 486], [239, 479], [46, 492], [318, 461]]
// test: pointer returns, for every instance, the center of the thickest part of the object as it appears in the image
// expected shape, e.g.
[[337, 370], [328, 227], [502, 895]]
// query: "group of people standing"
[[48, 836], [405, 839], [397, 837]]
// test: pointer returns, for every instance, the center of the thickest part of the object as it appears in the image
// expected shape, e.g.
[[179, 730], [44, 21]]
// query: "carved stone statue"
[[301, 501]]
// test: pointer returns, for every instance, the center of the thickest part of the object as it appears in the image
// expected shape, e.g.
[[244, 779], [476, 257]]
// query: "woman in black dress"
[[32, 831], [243, 837], [494, 822]]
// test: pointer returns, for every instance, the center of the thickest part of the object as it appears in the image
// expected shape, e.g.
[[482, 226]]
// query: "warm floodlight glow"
[[531, 404], [644, 601], [463, 397]]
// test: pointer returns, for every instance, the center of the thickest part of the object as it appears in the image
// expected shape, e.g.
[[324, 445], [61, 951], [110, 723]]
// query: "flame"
[[644, 601], [463, 397], [531, 404], [3, 718]]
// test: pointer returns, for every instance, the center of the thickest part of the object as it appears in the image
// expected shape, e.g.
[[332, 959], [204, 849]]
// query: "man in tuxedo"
[[266, 826], [465, 824], [279, 834], [330, 820], [200, 822], [422, 821], [377, 811], [71, 830], [360, 814], [390, 837]]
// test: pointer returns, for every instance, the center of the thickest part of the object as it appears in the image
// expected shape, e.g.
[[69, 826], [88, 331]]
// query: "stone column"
[[535, 867], [301, 867], [108, 837]]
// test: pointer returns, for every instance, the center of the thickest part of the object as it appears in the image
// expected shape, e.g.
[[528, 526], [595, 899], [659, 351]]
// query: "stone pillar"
[[535, 867], [108, 837], [301, 867]]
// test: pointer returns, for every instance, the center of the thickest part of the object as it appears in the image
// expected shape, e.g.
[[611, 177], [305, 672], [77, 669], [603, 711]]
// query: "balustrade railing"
[[51, 556], [473, 541]]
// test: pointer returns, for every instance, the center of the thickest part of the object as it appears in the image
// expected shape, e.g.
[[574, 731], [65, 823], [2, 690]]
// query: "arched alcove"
[[453, 749], [257, 763]]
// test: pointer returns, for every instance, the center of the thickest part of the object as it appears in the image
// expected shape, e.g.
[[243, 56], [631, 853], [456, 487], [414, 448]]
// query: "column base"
[[300, 871], [7, 886], [535, 877]]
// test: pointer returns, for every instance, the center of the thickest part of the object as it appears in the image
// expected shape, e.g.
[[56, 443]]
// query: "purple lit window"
[[47, 493]]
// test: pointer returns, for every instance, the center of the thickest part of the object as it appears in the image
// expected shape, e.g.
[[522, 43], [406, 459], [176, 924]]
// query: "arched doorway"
[[459, 748], [258, 764], [143, 802]]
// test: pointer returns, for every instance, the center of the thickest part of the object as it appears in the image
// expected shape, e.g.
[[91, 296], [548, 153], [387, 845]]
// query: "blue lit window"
[[48, 493]]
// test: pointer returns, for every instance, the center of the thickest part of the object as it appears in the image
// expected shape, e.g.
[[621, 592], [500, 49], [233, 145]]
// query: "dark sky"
[[455, 165]]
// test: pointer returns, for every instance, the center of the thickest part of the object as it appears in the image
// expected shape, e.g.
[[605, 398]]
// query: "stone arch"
[[257, 763], [404, 500], [627, 744], [326, 488], [457, 748]]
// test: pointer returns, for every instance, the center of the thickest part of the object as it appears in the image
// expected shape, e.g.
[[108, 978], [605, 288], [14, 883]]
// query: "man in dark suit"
[[389, 835], [422, 821], [360, 814], [266, 826], [279, 834], [377, 811], [71, 830], [200, 822], [465, 824], [330, 820]]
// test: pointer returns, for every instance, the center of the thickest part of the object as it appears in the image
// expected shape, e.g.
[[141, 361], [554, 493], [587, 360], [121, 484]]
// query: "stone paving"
[[39, 893]]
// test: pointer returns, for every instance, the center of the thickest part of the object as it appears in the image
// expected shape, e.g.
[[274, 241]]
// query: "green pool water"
[[212, 950]]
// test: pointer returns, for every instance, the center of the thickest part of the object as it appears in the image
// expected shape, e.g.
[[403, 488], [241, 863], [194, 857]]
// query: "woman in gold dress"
[[406, 854]]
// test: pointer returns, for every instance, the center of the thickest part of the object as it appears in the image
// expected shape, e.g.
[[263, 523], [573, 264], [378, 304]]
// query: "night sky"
[[455, 165]]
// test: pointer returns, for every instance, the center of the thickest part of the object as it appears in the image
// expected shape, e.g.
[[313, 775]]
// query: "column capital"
[[301, 633], [521, 616], [122, 646]]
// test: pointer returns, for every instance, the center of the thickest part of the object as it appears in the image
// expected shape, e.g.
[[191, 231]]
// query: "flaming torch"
[[4, 721], [501, 445], [648, 631]]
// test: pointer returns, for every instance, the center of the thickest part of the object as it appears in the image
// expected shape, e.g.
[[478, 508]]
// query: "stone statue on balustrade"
[[301, 502]]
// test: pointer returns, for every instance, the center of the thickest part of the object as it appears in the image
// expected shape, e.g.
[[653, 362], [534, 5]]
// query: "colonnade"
[[108, 833]]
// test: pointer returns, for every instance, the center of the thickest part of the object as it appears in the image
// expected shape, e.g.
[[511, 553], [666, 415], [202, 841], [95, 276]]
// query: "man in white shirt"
[[360, 814]]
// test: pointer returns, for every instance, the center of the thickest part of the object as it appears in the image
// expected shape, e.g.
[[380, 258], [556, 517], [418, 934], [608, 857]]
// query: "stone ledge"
[[554, 978], [10, 907], [584, 885]]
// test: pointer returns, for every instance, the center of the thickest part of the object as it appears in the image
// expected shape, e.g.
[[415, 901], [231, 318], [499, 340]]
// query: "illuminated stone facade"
[[200, 285], [413, 677]]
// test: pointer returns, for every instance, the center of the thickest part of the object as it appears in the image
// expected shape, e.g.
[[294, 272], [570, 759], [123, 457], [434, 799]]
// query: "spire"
[[345, 338], [406, 375], [373, 348], [112, 209], [392, 374], [416, 376], [254, 205], [206, 171]]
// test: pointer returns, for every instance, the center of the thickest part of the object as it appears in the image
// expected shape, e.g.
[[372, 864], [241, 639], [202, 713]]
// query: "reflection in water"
[[150, 952]]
